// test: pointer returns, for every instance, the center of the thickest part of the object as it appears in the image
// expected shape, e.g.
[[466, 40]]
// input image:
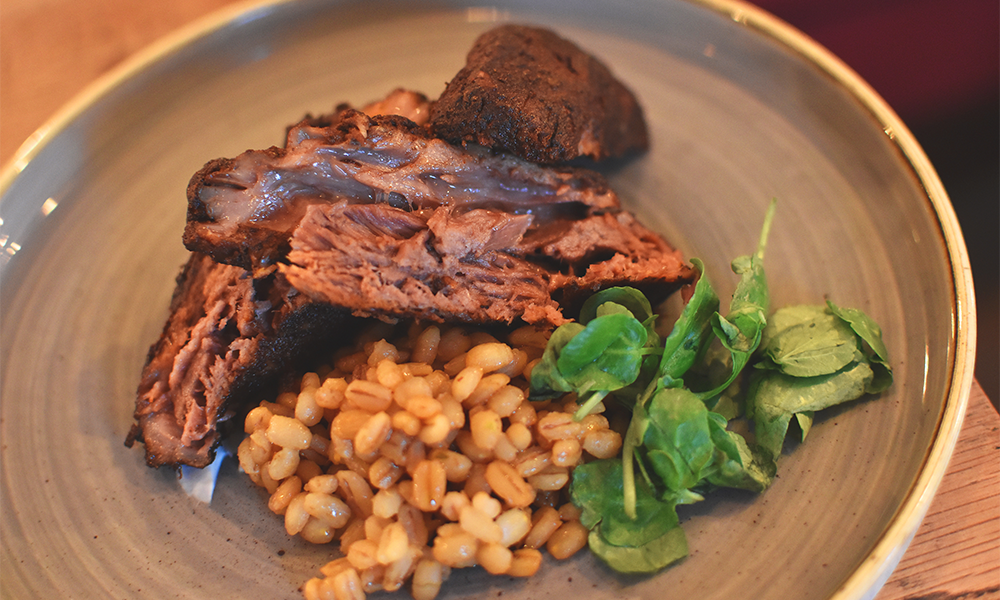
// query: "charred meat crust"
[[530, 92], [227, 337]]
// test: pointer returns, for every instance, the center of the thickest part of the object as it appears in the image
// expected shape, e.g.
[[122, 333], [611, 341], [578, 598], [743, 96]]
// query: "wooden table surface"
[[51, 49]]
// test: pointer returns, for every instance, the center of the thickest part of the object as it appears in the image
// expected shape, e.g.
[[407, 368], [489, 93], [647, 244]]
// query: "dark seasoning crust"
[[530, 92], [380, 216]]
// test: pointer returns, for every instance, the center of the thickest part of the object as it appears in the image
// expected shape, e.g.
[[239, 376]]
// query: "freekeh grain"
[[421, 454]]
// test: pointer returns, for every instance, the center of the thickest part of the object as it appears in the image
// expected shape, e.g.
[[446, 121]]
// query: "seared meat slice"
[[227, 337], [530, 92], [606, 250], [242, 211], [479, 265]]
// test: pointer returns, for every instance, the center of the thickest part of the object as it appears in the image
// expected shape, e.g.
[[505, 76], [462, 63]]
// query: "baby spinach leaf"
[[676, 442], [597, 489], [810, 358], [546, 380], [734, 464], [881, 378], [779, 392], [729, 405], [741, 345], [770, 431], [647, 558], [773, 398], [805, 421], [741, 329], [866, 328], [751, 472], [870, 332], [720, 437], [691, 332], [605, 355], [630, 298], [611, 308], [806, 341]]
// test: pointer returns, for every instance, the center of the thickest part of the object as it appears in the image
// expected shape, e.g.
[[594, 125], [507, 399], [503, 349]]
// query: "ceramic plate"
[[741, 109]]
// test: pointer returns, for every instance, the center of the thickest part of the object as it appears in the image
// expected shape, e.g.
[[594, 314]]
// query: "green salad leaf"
[[691, 332], [871, 334], [741, 329], [804, 341], [647, 558], [598, 491], [676, 444], [774, 398], [735, 464], [813, 357], [634, 301], [644, 544], [606, 355], [680, 442], [546, 379]]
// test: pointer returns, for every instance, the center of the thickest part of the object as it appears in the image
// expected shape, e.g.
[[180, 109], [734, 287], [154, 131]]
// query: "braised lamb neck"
[[427, 209], [373, 215]]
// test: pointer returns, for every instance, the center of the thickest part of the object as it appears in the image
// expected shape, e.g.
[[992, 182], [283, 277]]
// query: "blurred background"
[[936, 62]]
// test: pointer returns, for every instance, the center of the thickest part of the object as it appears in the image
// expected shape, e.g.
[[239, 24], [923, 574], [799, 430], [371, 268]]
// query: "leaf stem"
[[766, 229], [588, 407], [628, 470], [633, 437]]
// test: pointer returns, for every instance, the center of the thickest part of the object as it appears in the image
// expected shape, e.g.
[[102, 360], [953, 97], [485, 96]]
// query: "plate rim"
[[869, 576]]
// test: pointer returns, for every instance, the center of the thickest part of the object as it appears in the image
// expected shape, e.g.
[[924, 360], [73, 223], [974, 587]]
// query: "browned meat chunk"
[[242, 211], [227, 337], [530, 92]]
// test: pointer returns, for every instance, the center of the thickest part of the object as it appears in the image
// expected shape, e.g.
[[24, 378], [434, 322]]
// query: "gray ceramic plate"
[[741, 109]]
